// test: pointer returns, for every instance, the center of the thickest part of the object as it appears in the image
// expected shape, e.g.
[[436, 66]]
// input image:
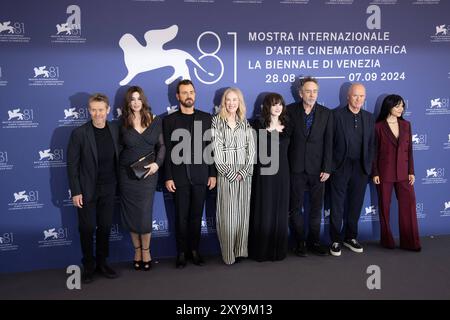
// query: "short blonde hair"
[[241, 109]]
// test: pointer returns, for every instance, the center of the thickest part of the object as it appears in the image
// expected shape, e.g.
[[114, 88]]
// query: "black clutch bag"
[[137, 167]]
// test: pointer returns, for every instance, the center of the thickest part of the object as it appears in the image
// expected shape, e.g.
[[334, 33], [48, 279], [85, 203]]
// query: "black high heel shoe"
[[146, 265], [137, 265]]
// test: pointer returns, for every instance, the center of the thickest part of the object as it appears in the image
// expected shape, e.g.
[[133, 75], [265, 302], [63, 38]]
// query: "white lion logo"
[[46, 154], [1, 239], [70, 113], [21, 196], [415, 138], [63, 27], [15, 114], [370, 210], [449, 137], [431, 172], [327, 213], [6, 26], [436, 103], [446, 205], [441, 29], [152, 56], [41, 71], [204, 224], [171, 109], [50, 233], [155, 226]]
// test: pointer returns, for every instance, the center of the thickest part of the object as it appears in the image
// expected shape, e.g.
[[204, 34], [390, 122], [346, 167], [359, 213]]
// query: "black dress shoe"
[[318, 249], [106, 271], [87, 276], [239, 259], [197, 259], [412, 249], [181, 261], [300, 250]]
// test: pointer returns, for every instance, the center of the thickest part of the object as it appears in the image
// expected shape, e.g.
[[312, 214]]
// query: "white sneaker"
[[353, 245], [335, 249]]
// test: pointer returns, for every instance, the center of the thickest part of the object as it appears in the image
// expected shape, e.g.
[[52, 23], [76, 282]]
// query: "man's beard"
[[189, 103]]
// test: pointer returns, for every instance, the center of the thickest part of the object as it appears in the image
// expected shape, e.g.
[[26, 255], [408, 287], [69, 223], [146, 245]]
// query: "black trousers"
[[299, 183], [96, 216], [189, 202], [348, 187]]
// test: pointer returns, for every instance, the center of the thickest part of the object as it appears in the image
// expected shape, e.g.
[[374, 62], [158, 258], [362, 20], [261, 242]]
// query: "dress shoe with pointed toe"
[[239, 259], [318, 249], [300, 250], [181, 261], [87, 277], [106, 271], [197, 259], [416, 249]]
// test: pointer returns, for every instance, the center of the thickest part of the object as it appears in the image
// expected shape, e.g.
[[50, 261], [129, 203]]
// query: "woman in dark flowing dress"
[[268, 239], [140, 134]]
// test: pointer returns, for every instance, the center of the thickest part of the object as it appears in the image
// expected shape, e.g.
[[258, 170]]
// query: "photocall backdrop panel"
[[53, 55]]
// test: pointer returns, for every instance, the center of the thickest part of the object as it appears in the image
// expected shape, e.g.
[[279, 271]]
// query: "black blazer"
[[341, 134], [82, 159], [185, 174], [310, 153]]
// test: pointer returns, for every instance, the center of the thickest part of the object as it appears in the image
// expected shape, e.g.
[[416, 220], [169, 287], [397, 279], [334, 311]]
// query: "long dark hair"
[[270, 100], [146, 110], [389, 102]]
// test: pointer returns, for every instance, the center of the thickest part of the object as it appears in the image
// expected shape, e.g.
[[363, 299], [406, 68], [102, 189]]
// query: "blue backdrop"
[[53, 54]]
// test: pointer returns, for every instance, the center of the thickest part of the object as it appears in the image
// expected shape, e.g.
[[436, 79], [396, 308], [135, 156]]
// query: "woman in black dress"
[[141, 133], [268, 238]]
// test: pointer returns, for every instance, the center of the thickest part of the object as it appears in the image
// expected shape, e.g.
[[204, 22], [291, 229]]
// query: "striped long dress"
[[234, 152]]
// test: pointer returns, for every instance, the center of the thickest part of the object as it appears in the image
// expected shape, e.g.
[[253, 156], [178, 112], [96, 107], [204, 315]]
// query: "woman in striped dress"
[[234, 151]]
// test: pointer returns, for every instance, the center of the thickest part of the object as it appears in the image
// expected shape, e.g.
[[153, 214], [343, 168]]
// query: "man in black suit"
[[310, 164], [187, 174], [92, 158], [353, 152]]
